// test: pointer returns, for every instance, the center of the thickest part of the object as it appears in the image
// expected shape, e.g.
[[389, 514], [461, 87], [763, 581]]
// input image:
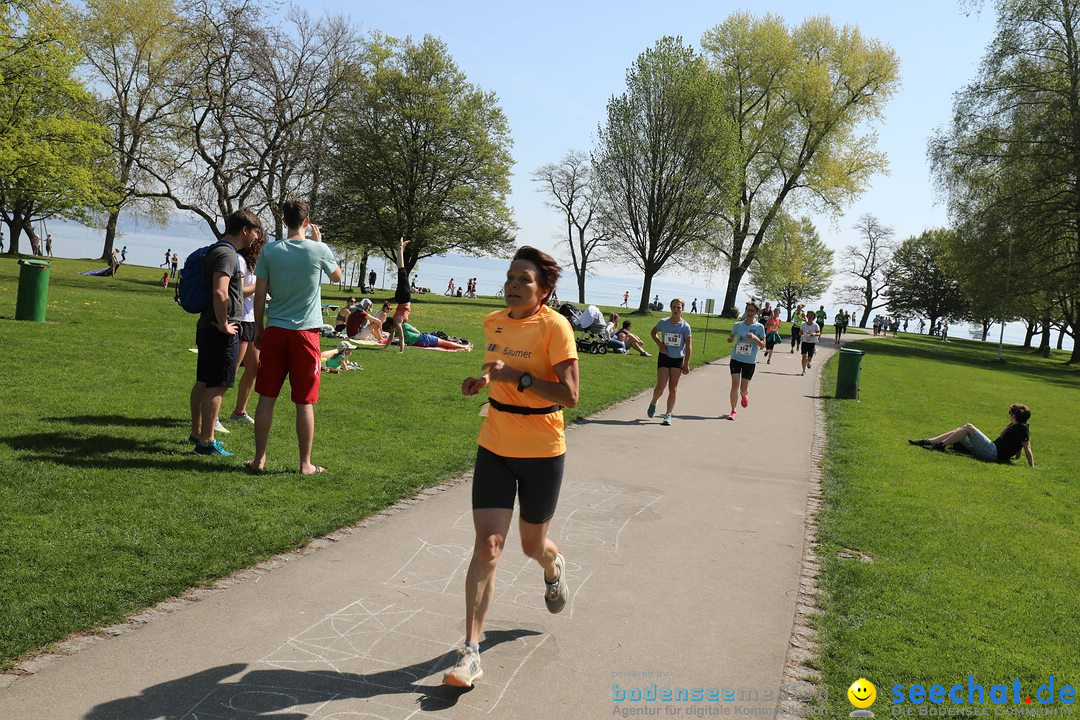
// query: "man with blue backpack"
[[211, 283]]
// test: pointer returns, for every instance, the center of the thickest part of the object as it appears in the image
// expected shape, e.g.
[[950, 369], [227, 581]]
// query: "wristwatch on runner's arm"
[[524, 382]]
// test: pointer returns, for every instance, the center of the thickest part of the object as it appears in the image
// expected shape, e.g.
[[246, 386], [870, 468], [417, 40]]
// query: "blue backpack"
[[191, 293]]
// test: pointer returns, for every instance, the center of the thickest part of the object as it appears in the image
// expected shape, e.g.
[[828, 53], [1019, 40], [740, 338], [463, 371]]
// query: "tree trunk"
[[1029, 333], [1044, 342], [934, 329], [363, 268], [865, 315], [110, 235], [646, 288], [1061, 337], [734, 278], [581, 284], [985, 328], [1075, 357], [14, 231]]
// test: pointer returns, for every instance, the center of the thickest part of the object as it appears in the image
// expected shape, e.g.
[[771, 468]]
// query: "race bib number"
[[673, 339], [743, 348]]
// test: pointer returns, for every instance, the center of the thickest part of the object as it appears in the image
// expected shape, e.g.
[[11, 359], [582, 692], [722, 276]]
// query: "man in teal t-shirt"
[[289, 342]]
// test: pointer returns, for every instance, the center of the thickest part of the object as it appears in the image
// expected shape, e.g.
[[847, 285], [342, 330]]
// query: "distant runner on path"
[[772, 333], [796, 328], [672, 336], [531, 370], [748, 336], [811, 331]]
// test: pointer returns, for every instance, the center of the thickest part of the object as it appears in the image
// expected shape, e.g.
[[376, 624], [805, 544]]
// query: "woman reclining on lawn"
[[1014, 438]]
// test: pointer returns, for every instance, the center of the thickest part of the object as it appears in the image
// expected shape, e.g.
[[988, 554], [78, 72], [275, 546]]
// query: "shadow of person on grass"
[[269, 693], [119, 420], [100, 450]]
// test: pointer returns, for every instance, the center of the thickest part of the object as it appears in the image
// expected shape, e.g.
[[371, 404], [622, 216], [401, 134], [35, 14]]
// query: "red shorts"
[[295, 353], [402, 312]]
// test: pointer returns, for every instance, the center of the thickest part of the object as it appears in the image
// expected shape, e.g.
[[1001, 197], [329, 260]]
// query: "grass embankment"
[[104, 509], [974, 565]]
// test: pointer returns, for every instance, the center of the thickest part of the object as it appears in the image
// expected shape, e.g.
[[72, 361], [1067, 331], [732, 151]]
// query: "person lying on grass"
[[337, 360], [415, 338], [1014, 438]]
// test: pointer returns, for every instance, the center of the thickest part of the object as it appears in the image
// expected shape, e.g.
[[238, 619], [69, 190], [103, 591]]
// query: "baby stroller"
[[592, 338]]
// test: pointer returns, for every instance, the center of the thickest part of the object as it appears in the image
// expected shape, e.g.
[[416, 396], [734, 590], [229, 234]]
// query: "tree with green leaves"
[[662, 160], [422, 153], [53, 154], [800, 100], [570, 189], [1012, 151], [133, 50], [793, 264], [921, 279]]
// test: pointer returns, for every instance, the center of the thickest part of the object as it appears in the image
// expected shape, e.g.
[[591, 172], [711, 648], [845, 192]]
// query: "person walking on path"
[[821, 318], [249, 353], [772, 334], [289, 342], [217, 332], [748, 336], [175, 264], [810, 331], [672, 336], [450, 288], [522, 448], [796, 328], [838, 327]]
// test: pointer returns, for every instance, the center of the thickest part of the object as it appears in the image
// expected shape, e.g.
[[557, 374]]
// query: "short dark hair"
[[1020, 412], [240, 219], [295, 212], [547, 270], [625, 324]]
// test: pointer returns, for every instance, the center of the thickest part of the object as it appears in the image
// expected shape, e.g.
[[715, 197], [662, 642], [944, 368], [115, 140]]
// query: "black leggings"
[[403, 294], [796, 337]]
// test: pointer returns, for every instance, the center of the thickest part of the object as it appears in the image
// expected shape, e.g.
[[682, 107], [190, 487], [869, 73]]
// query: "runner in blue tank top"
[[748, 336]]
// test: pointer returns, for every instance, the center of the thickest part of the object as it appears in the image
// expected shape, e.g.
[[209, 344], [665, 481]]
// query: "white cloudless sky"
[[554, 65]]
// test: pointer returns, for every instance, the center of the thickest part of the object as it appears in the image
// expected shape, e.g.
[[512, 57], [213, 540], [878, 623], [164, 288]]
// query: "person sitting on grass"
[[337, 360], [630, 339], [1015, 437], [342, 319]]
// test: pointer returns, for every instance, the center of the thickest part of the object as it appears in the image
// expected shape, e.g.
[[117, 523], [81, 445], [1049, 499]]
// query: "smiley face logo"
[[862, 693]]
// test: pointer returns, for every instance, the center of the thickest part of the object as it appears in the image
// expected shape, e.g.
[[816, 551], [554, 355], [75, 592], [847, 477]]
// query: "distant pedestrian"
[[450, 288], [123, 254], [175, 266], [168, 259], [905, 324], [48, 245], [114, 262], [772, 334], [626, 299], [35, 244], [693, 306], [944, 330], [796, 328], [371, 278], [289, 343], [811, 331]]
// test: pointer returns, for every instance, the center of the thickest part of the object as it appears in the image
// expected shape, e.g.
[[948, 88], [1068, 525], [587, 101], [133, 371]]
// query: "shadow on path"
[[269, 693]]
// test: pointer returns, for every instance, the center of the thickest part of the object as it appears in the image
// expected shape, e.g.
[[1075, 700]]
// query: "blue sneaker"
[[214, 448], [652, 410]]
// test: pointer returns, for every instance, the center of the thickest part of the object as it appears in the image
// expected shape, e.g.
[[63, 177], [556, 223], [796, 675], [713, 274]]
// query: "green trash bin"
[[847, 375], [33, 290]]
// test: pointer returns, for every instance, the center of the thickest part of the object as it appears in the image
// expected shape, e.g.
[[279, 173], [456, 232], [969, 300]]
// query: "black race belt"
[[521, 410]]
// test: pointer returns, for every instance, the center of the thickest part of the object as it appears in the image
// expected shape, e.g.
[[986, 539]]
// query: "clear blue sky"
[[554, 65]]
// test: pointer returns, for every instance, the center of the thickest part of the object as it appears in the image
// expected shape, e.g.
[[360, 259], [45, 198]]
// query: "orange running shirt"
[[534, 345], [772, 325]]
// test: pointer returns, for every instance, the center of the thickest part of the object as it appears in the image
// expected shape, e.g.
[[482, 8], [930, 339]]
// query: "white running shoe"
[[466, 670], [219, 428], [667, 419], [233, 417], [557, 591]]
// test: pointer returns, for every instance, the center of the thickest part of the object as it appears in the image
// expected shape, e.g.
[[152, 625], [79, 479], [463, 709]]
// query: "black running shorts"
[[808, 349], [664, 361], [497, 480], [738, 367]]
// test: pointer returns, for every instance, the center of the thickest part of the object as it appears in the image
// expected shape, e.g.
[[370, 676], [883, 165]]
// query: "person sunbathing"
[[1015, 437], [337, 360]]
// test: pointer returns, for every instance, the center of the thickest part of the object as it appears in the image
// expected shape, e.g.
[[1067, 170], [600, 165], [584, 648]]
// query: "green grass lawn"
[[974, 565], [104, 509]]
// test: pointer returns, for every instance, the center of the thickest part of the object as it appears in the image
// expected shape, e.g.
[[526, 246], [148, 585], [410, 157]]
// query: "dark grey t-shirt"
[[221, 258]]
